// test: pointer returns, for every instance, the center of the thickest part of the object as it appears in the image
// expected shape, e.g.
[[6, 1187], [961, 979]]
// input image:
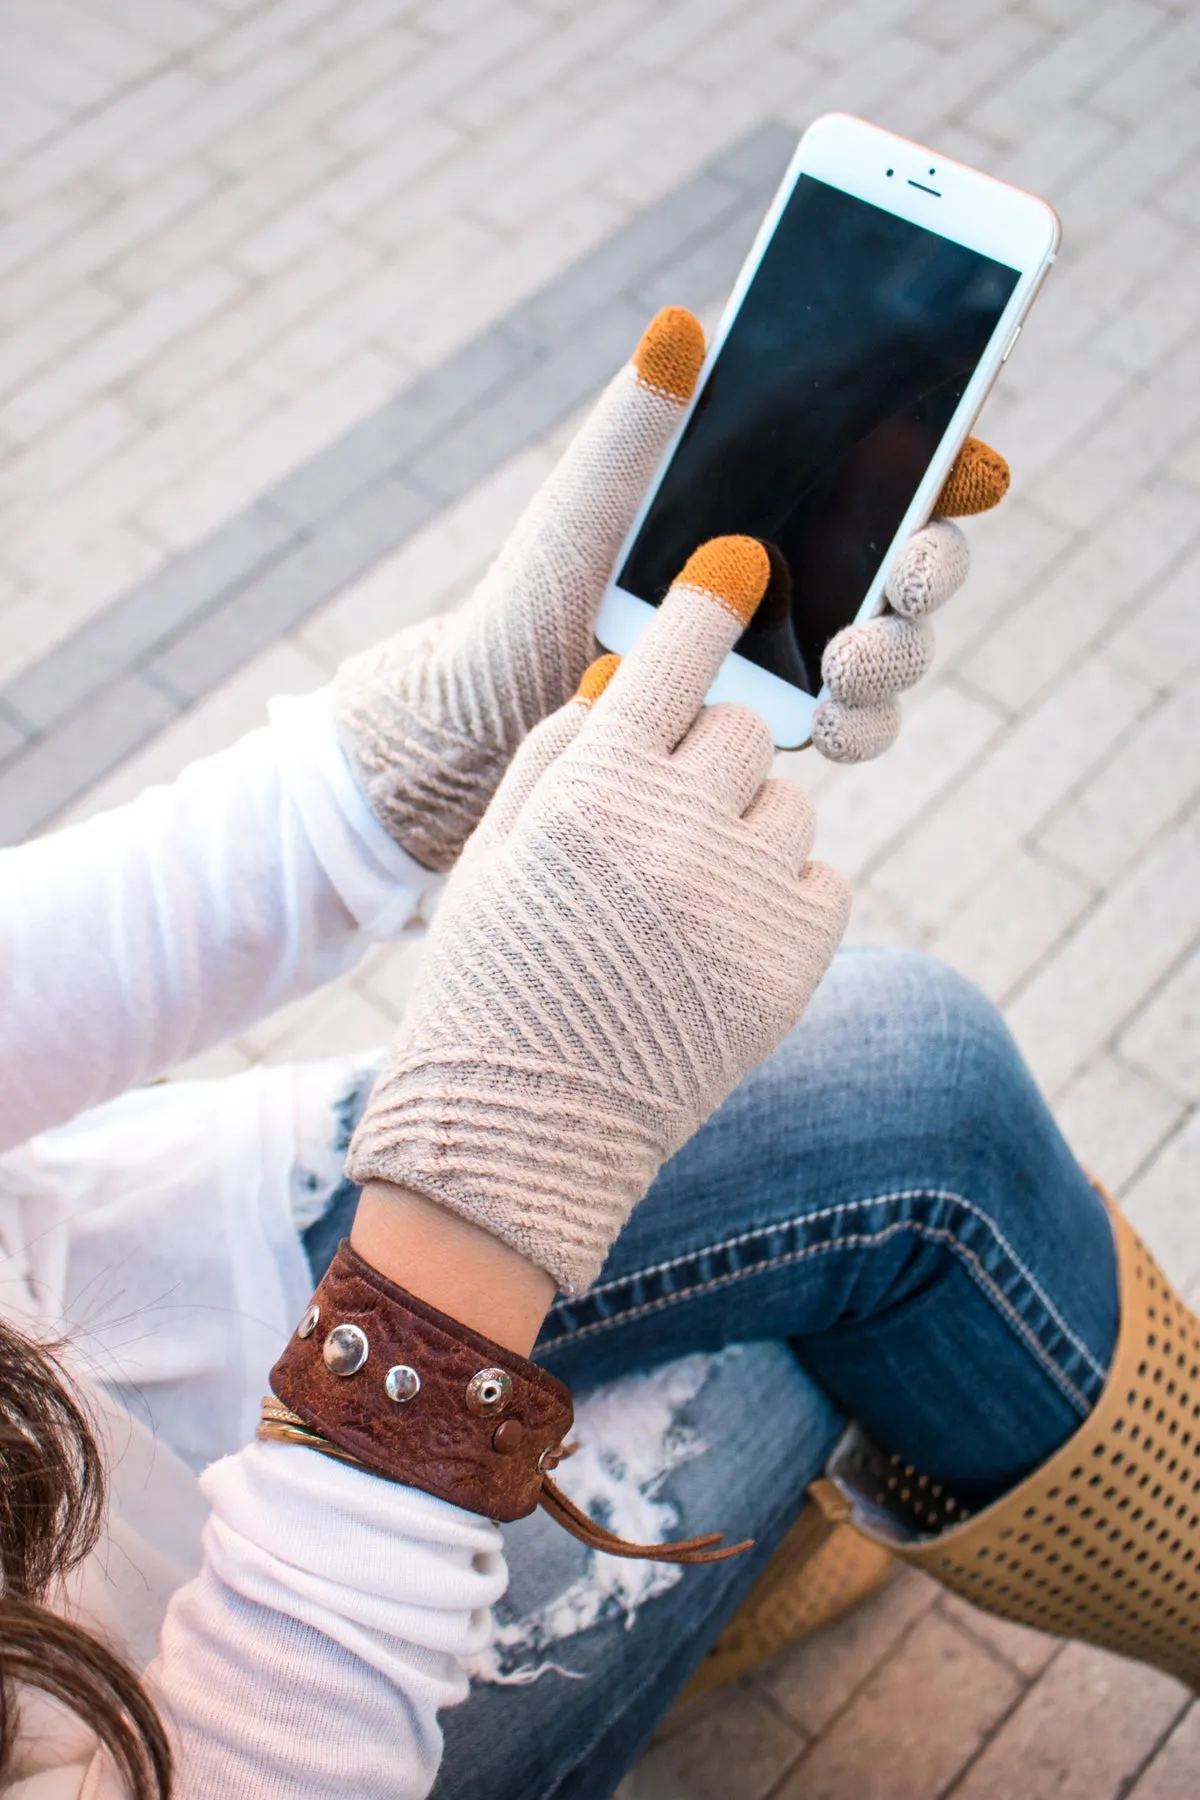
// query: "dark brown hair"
[[52, 1498]]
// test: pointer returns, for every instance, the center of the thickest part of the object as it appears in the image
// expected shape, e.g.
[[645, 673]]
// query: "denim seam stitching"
[[858, 1240], [891, 1199]]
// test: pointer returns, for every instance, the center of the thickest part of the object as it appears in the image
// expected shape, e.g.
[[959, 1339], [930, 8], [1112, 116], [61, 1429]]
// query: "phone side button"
[[1011, 345]]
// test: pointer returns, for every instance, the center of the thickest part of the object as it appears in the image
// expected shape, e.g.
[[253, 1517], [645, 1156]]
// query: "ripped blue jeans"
[[882, 1222]]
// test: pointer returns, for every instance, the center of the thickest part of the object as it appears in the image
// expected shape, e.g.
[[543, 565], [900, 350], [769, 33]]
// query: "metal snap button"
[[507, 1436], [488, 1391], [345, 1350], [308, 1323], [402, 1384]]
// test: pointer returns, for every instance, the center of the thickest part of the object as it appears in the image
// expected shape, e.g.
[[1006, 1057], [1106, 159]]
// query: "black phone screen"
[[822, 412]]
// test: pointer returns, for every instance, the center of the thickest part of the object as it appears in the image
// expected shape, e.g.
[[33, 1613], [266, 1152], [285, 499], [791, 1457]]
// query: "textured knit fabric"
[[615, 952], [431, 718], [866, 666]]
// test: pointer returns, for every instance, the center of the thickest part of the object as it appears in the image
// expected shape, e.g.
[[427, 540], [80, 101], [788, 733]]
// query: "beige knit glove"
[[431, 718], [865, 667], [635, 926]]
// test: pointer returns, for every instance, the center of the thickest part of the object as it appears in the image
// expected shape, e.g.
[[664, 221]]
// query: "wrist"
[[452, 1264]]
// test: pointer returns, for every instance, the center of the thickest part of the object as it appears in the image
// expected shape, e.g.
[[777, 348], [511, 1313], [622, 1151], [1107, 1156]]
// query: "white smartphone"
[[883, 293]]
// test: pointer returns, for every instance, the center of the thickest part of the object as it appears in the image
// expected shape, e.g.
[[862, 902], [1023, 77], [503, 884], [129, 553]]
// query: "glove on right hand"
[[634, 927]]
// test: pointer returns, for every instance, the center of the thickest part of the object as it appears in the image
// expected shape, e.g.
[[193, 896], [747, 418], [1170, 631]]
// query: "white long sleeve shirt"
[[300, 1622]]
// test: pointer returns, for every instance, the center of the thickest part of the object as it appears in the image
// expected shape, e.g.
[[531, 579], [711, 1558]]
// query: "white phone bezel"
[[970, 208]]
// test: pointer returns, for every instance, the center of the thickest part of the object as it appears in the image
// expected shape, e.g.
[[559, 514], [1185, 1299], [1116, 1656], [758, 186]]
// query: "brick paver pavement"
[[233, 230]]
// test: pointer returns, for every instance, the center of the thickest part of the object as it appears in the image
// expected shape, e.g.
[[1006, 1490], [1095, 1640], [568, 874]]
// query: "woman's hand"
[[431, 719], [635, 926], [865, 667]]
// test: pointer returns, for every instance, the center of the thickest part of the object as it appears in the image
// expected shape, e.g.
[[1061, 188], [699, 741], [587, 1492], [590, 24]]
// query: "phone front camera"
[[891, 171]]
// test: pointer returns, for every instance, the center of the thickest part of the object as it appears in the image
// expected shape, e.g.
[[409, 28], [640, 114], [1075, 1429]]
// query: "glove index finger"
[[661, 685]]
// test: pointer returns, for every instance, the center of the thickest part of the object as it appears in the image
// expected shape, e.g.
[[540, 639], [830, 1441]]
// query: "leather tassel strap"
[[564, 1512], [375, 1377]]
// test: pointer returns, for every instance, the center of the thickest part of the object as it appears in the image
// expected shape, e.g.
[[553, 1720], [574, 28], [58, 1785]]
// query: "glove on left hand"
[[431, 719]]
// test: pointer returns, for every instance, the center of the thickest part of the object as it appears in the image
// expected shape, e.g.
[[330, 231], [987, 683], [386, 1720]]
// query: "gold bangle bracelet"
[[281, 1426]]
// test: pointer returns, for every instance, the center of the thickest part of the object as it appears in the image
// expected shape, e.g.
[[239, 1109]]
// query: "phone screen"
[[824, 408]]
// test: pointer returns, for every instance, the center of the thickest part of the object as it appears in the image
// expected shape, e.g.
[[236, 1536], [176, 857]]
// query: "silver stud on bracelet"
[[402, 1384], [345, 1350], [488, 1391], [308, 1323]]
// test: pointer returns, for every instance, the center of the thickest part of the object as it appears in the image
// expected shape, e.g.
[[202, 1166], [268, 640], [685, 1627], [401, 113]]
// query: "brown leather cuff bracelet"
[[377, 1377]]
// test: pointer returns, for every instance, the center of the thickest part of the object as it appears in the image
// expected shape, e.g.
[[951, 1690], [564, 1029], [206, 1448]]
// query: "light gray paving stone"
[[202, 120], [914, 1725], [1079, 1734], [1161, 641], [335, 1021], [1060, 407], [1066, 141], [374, 309], [345, 1022], [1171, 1774], [1052, 749], [281, 441], [30, 230], [433, 568], [1161, 317], [1165, 1038], [1028, 1653], [648, 243], [24, 122], [92, 242], [863, 810], [259, 34], [100, 134], [60, 458], [113, 353], [234, 339], [238, 706], [67, 582], [1131, 172], [736, 1746], [171, 24], [1162, 67], [1179, 199], [1115, 1119], [876, 920], [424, 414], [1149, 778], [125, 633], [1013, 920], [695, 278], [80, 311], [1136, 934], [1069, 67], [101, 43], [813, 1682], [60, 81], [447, 68], [1147, 426], [37, 782], [552, 388], [13, 735], [229, 633], [1013, 549]]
